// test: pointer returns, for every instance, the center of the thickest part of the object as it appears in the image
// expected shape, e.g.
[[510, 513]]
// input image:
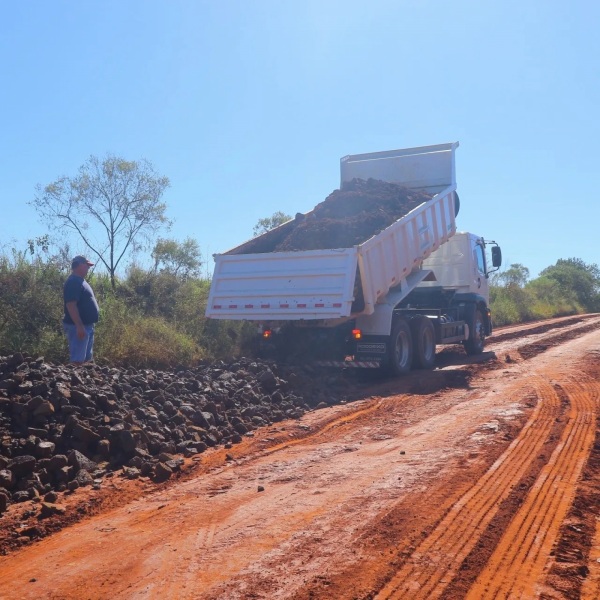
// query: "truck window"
[[480, 258]]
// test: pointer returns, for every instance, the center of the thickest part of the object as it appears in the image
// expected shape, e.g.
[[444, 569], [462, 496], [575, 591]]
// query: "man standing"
[[81, 312]]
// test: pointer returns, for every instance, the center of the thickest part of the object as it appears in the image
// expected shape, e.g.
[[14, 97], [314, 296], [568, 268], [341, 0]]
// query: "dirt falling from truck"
[[347, 217]]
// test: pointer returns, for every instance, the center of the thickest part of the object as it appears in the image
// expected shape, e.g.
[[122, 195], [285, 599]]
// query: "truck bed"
[[330, 284]]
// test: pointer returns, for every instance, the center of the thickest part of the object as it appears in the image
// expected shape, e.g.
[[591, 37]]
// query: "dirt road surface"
[[480, 479]]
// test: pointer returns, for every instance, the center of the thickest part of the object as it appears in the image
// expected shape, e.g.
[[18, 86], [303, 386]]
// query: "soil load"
[[346, 218]]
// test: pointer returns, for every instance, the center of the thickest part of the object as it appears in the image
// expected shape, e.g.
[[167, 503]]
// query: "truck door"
[[480, 281]]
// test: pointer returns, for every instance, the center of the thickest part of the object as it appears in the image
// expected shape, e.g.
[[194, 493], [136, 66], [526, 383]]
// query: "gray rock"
[[21, 496], [83, 478], [45, 449], [51, 497], [162, 472], [35, 403], [58, 461], [85, 434], [127, 441], [82, 399], [81, 462], [48, 509], [4, 501], [22, 465], [103, 448], [44, 410], [131, 472], [7, 479], [175, 464]]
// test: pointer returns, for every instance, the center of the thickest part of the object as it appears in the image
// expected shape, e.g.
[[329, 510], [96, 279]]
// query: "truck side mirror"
[[496, 256]]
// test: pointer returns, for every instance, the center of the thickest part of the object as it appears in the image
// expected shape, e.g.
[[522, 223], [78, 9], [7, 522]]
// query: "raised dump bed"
[[262, 280]]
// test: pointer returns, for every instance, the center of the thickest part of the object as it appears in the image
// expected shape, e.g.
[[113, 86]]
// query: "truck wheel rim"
[[428, 344], [479, 331], [401, 349]]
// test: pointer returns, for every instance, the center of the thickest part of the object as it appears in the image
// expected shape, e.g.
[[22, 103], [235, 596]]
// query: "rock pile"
[[347, 217], [62, 427]]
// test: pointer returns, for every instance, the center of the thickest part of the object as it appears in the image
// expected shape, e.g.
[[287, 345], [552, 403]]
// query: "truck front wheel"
[[401, 348], [423, 337], [476, 341]]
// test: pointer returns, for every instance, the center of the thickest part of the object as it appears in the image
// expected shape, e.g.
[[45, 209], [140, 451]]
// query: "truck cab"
[[460, 264]]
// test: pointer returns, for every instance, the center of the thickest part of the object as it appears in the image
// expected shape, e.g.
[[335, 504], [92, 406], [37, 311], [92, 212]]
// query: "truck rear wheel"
[[476, 341], [401, 348], [423, 338]]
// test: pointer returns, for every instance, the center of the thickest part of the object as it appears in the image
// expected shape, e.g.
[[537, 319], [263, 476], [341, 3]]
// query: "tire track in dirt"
[[437, 559], [515, 331], [190, 562], [528, 351], [591, 587], [516, 567]]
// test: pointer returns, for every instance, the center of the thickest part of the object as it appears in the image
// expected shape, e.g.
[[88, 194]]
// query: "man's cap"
[[80, 260]]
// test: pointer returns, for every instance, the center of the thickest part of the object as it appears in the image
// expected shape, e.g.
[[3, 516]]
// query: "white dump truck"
[[384, 303]]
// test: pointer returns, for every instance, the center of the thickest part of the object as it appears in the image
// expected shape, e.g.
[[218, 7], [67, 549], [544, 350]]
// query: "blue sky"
[[247, 106]]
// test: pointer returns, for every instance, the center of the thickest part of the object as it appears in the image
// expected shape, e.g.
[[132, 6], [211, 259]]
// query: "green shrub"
[[146, 342], [31, 306]]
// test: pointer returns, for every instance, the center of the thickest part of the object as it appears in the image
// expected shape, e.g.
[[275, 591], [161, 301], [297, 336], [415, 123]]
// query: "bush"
[[31, 307], [145, 342]]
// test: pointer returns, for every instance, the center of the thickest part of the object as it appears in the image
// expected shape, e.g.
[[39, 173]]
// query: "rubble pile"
[[62, 427]]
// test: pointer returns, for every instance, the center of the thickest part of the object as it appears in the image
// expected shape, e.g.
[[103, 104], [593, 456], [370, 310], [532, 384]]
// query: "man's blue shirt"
[[77, 289]]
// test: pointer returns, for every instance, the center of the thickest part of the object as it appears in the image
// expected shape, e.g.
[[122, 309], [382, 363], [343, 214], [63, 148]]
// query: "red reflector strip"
[[265, 306], [337, 305], [249, 306], [217, 306], [233, 306], [284, 306], [319, 305], [301, 305]]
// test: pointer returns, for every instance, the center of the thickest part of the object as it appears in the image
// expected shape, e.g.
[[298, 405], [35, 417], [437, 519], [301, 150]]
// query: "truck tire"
[[401, 348], [456, 204], [476, 341], [423, 337]]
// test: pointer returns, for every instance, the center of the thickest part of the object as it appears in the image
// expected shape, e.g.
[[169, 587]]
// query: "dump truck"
[[386, 302]]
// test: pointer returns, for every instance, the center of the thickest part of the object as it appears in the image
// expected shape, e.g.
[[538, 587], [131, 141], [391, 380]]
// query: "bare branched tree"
[[113, 204]]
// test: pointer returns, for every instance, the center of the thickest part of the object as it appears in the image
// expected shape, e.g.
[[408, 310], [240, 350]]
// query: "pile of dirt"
[[346, 218], [62, 427]]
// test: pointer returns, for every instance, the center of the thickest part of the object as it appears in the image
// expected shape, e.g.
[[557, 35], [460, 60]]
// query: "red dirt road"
[[480, 479]]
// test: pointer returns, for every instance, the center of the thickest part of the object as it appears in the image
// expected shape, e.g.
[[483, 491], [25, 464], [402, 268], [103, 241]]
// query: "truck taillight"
[[356, 334], [267, 333]]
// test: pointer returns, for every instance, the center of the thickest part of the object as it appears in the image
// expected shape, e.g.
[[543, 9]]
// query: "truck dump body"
[[342, 282]]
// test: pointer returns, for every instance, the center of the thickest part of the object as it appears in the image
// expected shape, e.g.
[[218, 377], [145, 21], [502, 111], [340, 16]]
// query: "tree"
[[268, 223], [577, 278], [516, 275], [182, 259], [509, 297], [112, 204]]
